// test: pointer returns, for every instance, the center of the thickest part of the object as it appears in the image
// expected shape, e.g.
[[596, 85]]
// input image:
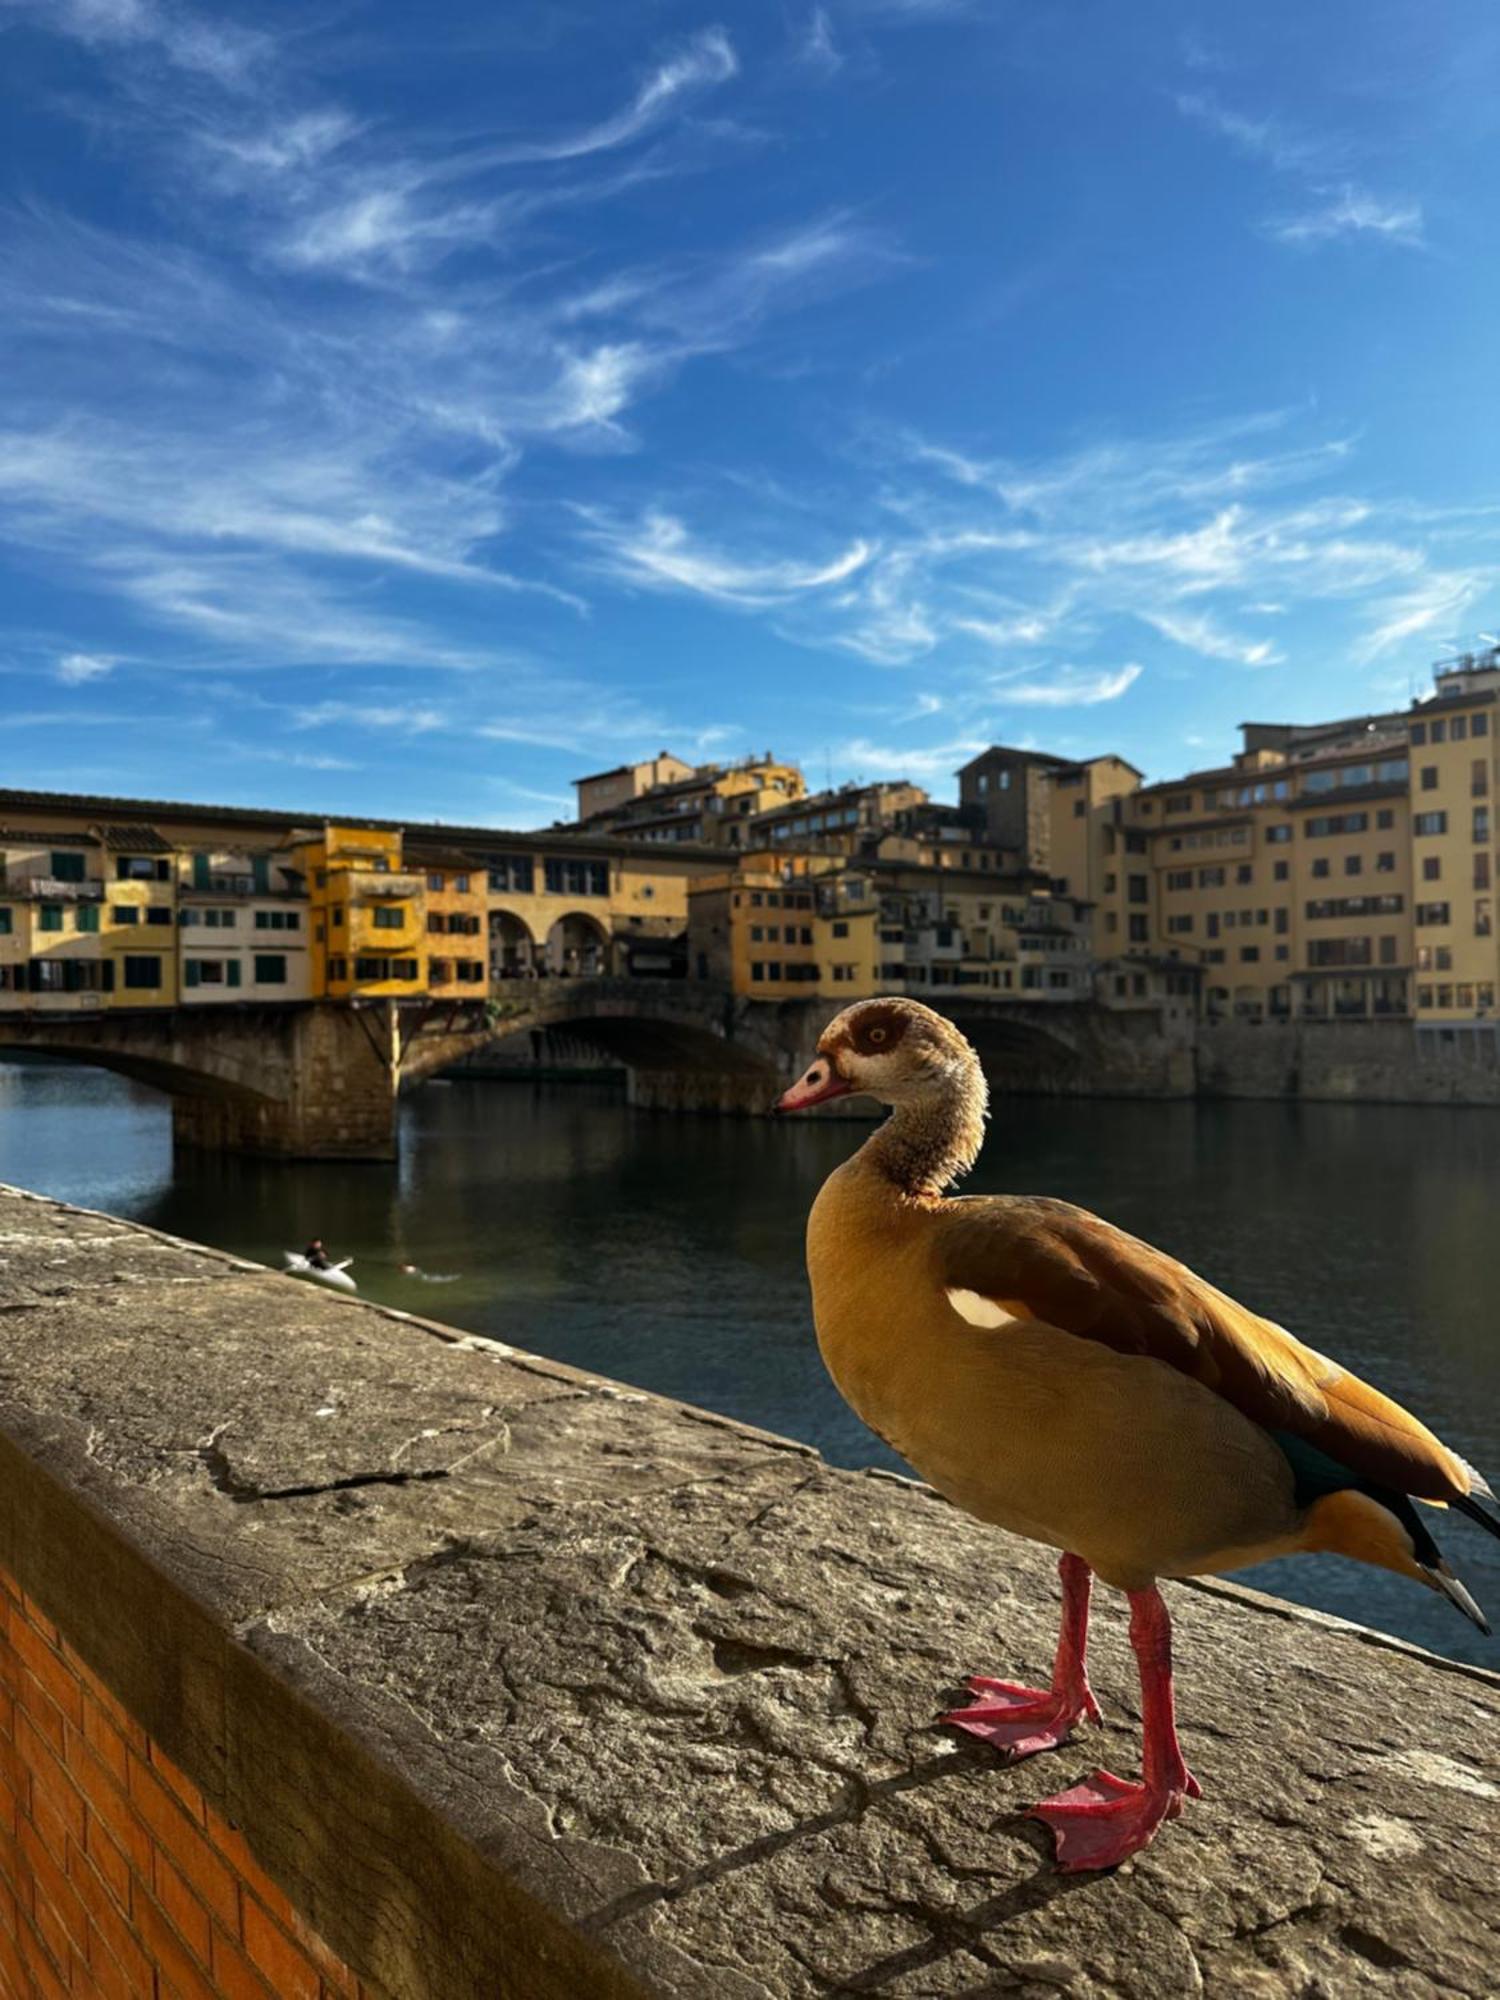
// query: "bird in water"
[[1056, 1377]]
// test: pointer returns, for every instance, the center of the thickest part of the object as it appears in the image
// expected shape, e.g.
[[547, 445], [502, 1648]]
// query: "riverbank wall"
[[344, 1654]]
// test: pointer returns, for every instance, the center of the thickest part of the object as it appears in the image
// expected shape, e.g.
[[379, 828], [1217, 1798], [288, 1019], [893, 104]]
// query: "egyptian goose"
[[1061, 1379]]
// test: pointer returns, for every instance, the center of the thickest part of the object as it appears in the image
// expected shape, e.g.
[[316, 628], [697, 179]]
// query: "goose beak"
[[819, 1083]]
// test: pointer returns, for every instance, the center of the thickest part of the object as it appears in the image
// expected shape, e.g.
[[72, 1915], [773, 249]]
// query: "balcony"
[[372, 885], [47, 889]]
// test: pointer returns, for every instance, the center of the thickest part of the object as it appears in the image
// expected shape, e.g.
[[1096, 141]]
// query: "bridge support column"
[[335, 1097]]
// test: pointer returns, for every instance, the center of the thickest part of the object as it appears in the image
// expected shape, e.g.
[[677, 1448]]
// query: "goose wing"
[[1049, 1261]]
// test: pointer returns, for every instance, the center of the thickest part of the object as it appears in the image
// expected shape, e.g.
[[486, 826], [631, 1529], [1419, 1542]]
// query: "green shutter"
[[190, 972], [234, 972], [201, 878]]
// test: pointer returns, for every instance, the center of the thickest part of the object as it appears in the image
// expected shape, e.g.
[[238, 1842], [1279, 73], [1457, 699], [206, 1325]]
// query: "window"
[[270, 968], [1432, 913], [1324, 824], [211, 972], [1427, 824], [1179, 878], [1283, 921], [1179, 926], [1479, 725], [338, 968], [1439, 732], [461, 884], [1385, 864], [1276, 834], [336, 914], [511, 874], [157, 916], [1459, 728], [138, 868], [435, 882], [1244, 873], [1429, 777], [1210, 878], [143, 974], [1479, 779], [50, 917], [1339, 951], [64, 867], [386, 917], [1137, 888], [1180, 802], [1354, 864], [1482, 917], [125, 913], [576, 878], [1320, 866], [291, 920], [1419, 734], [1385, 819], [1481, 823], [1432, 868], [1388, 950], [1481, 872], [5, 920], [1281, 871], [1249, 954]]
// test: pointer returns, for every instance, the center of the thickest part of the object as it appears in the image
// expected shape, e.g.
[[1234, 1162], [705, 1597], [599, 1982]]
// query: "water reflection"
[[669, 1251]]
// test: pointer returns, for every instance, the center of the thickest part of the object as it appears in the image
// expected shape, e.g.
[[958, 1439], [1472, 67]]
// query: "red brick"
[[235, 1849], [46, 1983], [169, 1954], [187, 1915], [48, 1667], [54, 1892], [188, 1795], [167, 1822], [234, 1976], [108, 1860], [113, 1935], [39, 1722], [110, 1705], [13, 1978], [107, 1979], [98, 1787], [7, 1712], [34, 1615], [104, 1740], [291, 1974], [211, 1882], [57, 1815]]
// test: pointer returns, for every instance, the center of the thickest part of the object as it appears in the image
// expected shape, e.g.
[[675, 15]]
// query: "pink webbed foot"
[[1105, 1820], [1022, 1720]]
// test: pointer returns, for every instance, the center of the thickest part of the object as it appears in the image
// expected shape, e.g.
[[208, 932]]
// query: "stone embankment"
[[344, 1654]]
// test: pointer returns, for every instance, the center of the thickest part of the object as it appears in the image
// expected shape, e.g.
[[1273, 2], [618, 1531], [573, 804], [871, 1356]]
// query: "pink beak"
[[820, 1082]]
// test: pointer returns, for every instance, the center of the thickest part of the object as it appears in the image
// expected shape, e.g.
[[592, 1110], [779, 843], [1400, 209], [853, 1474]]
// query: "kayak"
[[336, 1275]]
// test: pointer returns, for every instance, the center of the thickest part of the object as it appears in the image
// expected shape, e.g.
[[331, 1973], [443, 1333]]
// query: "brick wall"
[[116, 1878]]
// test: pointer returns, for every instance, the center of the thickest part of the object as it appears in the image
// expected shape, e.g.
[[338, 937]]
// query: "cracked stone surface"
[[674, 1682]]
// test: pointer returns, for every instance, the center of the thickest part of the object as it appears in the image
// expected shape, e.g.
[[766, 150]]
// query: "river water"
[[668, 1251]]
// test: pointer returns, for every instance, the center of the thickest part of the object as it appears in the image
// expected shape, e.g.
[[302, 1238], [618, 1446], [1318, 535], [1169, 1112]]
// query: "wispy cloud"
[[217, 49], [1351, 211], [1070, 689], [659, 553], [1338, 207], [76, 669], [817, 46]]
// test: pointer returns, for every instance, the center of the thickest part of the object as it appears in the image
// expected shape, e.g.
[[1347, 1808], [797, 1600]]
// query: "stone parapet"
[[469, 1675]]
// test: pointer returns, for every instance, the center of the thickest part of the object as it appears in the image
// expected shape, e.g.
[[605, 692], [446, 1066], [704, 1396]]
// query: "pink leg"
[[1100, 1822], [1022, 1720]]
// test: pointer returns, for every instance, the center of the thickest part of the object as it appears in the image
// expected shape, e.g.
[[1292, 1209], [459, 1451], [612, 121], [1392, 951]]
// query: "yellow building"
[[458, 966], [51, 902], [139, 925], [710, 804], [368, 915]]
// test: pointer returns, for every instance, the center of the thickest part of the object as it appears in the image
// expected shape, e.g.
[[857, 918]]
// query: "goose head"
[[896, 1051]]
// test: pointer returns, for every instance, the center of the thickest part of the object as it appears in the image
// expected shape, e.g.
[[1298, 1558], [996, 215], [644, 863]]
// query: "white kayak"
[[336, 1275]]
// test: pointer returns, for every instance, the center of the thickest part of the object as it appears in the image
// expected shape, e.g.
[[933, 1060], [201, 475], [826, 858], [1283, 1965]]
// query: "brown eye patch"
[[877, 1032]]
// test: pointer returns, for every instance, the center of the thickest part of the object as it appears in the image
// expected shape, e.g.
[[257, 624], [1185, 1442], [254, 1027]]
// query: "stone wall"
[[497, 1679], [1375, 1062]]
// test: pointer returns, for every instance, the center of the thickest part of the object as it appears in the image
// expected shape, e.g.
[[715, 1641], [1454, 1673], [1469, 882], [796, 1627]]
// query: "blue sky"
[[409, 409]]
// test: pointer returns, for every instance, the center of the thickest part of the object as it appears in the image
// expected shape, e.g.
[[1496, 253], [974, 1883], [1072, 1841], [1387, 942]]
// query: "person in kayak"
[[317, 1256]]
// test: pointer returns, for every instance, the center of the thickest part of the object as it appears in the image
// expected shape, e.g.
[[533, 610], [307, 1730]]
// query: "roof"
[[15, 837], [1027, 756], [414, 855], [134, 840]]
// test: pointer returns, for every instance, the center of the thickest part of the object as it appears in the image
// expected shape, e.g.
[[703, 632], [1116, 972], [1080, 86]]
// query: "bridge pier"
[[336, 1098]]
